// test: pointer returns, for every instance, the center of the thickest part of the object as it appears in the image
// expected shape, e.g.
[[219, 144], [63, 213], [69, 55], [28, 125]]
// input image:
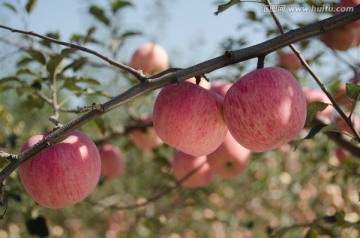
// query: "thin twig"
[[126, 68]]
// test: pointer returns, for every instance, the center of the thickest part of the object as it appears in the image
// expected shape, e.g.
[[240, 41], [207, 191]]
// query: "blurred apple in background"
[[112, 162], [316, 95], [341, 124], [150, 58], [342, 38], [145, 139], [184, 164], [230, 159], [289, 61]]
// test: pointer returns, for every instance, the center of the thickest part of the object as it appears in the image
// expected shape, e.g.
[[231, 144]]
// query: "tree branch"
[[126, 68], [230, 57]]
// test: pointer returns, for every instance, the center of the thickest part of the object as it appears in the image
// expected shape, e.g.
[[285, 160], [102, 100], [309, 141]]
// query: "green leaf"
[[10, 6], [24, 61], [82, 80], [129, 33], [54, 35], [99, 14], [320, 128], [9, 79], [314, 131], [225, 6], [26, 71], [54, 62], [313, 108], [37, 55], [353, 91], [30, 5], [76, 64], [118, 4], [312, 233]]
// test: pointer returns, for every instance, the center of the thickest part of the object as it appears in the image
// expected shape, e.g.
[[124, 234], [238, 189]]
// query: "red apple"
[[112, 162], [289, 61], [189, 118], [220, 88], [62, 174], [150, 58], [229, 159], [147, 139], [265, 109], [183, 165], [316, 95]]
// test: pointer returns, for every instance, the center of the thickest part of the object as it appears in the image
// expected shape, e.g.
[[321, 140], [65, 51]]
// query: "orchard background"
[[302, 189]]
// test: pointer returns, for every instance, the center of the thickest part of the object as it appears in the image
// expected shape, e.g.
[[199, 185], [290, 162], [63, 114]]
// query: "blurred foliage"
[[282, 193]]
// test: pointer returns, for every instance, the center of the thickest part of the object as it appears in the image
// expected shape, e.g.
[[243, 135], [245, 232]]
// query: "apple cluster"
[[345, 37]]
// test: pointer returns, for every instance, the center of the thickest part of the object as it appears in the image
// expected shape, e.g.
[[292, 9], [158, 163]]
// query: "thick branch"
[[230, 57]]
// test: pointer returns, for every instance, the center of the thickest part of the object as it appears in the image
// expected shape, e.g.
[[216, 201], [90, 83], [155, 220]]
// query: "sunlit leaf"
[[225, 6], [30, 5], [37, 55], [353, 91], [118, 4], [99, 14], [313, 108], [10, 6]]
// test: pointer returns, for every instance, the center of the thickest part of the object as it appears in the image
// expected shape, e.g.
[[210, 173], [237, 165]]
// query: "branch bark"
[[148, 85]]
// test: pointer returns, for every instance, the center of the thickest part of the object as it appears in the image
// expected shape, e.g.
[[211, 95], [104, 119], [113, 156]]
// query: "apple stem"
[[261, 62]]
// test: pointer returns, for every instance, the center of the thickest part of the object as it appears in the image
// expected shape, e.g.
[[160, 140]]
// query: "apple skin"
[[342, 98], [189, 118], [316, 95], [289, 61], [265, 109], [183, 164], [229, 159], [62, 174], [145, 140], [112, 162], [150, 58]]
